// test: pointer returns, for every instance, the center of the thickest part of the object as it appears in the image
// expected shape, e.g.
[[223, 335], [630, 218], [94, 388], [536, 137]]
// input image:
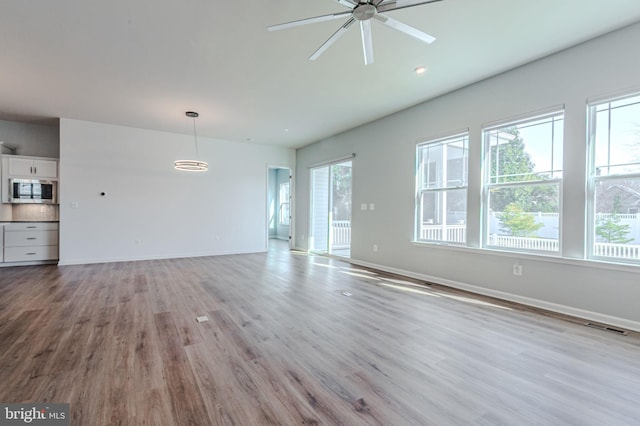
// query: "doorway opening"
[[279, 196], [330, 219]]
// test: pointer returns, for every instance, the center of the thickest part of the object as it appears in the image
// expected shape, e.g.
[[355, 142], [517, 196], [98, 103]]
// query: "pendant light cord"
[[195, 136]]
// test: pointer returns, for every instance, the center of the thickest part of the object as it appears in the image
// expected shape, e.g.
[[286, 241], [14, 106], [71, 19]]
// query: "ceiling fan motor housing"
[[364, 12]]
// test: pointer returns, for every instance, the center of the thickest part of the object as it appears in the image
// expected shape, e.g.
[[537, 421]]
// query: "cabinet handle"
[[31, 254], [35, 170], [32, 238], [31, 227]]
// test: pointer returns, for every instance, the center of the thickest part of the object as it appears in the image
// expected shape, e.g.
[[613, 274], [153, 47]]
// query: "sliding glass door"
[[320, 188], [330, 227]]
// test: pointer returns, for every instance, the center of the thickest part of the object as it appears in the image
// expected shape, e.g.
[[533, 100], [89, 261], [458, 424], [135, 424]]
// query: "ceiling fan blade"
[[348, 3], [332, 39], [402, 4], [407, 29], [367, 41], [306, 21]]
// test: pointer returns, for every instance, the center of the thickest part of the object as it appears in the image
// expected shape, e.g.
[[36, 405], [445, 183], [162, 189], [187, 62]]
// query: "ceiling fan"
[[363, 12]]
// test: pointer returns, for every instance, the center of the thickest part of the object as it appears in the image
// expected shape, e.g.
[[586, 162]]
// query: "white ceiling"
[[143, 63]]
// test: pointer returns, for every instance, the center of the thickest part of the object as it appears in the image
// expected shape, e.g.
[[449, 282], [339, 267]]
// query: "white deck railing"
[[340, 234], [525, 243], [622, 251], [341, 238], [457, 234], [451, 233]]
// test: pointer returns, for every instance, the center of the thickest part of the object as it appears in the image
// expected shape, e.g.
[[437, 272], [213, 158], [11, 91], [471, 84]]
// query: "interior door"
[[279, 202]]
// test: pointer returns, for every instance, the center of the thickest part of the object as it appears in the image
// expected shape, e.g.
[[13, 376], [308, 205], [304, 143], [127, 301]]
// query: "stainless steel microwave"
[[33, 191]]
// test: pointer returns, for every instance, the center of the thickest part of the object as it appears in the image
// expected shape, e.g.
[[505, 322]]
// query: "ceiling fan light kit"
[[192, 165], [363, 12]]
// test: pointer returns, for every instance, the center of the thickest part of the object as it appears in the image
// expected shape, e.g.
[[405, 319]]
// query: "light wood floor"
[[283, 345]]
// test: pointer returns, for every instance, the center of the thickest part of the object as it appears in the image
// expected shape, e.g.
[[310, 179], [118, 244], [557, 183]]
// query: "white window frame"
[[593, 177], [488, 185], [420, 191]]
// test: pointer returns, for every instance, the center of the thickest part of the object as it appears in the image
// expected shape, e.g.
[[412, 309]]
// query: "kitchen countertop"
[[29, 221]]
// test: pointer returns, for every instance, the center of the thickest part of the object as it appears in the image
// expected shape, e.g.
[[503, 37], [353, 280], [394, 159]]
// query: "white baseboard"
[[536, 303], [156, 257]]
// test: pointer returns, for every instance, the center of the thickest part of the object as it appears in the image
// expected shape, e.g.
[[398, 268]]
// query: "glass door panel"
[[340, 235], [319, 232], [330, 225]]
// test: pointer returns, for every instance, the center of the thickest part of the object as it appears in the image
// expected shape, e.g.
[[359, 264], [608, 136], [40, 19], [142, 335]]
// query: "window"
[[523, 173], [283, 199], [614, 182], [441, 193]]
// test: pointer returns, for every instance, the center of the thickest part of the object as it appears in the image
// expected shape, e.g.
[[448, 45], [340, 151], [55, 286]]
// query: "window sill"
[[541, 257]]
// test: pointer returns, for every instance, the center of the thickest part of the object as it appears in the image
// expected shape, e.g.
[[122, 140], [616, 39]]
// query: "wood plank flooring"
[[284, 346]]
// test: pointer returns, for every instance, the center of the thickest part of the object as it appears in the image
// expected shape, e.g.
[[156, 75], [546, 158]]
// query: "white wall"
[[383, 173], [151, 210]]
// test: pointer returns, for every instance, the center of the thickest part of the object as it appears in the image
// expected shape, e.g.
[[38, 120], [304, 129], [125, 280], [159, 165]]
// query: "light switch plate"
[[363, 206]]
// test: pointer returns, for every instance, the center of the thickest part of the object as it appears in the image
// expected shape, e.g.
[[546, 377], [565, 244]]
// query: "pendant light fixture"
[[192, 165]]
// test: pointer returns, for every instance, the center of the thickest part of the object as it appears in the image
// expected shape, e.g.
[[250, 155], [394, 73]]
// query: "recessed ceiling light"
[[420, 70], [286, 130]]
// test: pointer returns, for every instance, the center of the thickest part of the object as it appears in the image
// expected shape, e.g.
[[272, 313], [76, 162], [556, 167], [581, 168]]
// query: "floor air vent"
[[606, 328]]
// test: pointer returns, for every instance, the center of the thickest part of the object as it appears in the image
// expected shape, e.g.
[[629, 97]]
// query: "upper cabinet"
[[30, 167]]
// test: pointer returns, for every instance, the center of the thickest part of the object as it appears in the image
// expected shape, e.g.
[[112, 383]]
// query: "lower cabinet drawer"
[[22, 254], [30, 238]]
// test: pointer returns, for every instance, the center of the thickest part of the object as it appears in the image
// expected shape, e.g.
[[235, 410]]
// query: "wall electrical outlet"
[[363, 206], [375, 247], [517, 269]]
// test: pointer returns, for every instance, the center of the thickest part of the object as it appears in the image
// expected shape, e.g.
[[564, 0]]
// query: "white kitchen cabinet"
[[32, 167], [30, 241]]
